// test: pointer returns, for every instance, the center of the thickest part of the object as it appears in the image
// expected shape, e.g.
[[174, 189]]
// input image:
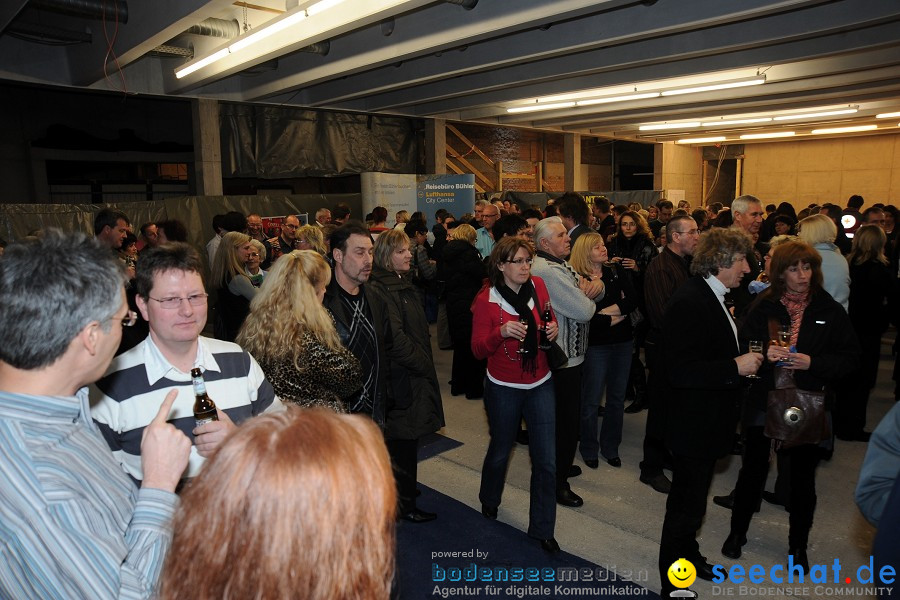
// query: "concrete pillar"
[[572, 167], [207, 146], [436, 146]]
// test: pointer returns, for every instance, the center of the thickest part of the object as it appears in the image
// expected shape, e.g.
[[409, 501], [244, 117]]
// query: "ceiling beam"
[[9, 10], [150, 24]]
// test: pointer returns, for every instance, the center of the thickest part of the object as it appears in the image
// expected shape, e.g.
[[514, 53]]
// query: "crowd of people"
[[322, 372]]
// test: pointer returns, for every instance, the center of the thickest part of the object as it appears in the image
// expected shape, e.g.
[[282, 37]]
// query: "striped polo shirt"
[[127, 398], [72, 525]]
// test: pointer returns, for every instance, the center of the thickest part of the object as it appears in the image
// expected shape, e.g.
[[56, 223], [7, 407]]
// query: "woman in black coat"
[[463, 273], [414, 406], [633, 249], [822, 349], [871, 281]]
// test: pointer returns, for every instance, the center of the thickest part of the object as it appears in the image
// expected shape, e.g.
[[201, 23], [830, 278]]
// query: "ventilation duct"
[[88, 9], [221, 28]]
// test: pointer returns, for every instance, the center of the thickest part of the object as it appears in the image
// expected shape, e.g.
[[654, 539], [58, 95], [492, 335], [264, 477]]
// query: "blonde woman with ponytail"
[[293, 337]]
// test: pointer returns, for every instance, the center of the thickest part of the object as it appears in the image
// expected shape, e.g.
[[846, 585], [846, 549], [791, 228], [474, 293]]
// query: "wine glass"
[[755, 346], [784, 336], [522, 349]]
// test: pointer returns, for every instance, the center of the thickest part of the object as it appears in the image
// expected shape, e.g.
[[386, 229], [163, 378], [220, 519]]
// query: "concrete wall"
[[679, 168], [821, 171]]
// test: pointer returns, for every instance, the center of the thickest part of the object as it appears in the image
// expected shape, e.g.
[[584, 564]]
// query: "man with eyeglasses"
[[284, 243], [484, 242], [664, 275], [173, 300], [73, 524]]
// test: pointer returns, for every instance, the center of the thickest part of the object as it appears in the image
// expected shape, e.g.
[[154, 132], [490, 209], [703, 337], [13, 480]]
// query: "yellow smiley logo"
[[682, 573]]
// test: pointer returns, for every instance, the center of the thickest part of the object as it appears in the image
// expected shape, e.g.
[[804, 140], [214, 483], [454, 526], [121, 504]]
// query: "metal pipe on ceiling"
[[89, 9], [221, 28]]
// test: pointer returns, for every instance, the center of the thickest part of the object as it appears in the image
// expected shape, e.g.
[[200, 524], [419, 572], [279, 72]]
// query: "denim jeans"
[[606, 366], [505, 407]]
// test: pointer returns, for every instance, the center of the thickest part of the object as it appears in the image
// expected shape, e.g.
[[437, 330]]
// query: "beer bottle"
[[546, 317], [204, 407]]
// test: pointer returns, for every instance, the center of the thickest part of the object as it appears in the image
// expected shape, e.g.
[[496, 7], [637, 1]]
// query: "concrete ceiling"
[[472, 63]]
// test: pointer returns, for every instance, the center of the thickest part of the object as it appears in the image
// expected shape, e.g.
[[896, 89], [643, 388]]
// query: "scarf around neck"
[[519, 302], [795, 304]]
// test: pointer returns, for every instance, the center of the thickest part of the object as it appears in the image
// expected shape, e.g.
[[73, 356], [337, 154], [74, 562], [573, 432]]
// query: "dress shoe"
[[550, 546], [614, 462], [635, 407], [660, 483], [522, 437], [568, 498], [418, 516], [800, 558], [456, 392], [489, 512], [733, 544], [772, 498], [574, 471], [725, 501], [592, 462], [704, 569], [474, 395]]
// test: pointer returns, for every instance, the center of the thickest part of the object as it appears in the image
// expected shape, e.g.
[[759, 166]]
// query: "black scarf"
[[519, 302]]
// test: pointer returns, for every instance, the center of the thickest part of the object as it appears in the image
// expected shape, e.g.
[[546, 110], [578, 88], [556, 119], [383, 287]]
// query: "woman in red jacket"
[[505, 331]]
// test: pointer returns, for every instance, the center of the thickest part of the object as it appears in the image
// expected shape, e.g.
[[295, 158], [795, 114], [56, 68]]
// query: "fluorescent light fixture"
[[736, 122], [716, 86], [203, 62], [280, 33], [826, 113], [659, 126], [892, 115], [845, 129], [762, 136], [537, 107], [618, 98], [704, 140]]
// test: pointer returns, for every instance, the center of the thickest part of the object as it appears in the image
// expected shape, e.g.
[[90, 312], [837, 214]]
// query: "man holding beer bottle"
[[173, 300]]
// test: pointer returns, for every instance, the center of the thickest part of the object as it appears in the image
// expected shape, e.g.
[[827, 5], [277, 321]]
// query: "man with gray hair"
[[73, 524], [573, 302], [323, 217], [747, 213], [704, 367]]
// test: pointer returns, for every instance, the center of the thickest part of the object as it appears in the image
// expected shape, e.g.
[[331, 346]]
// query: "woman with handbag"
[[800, 370], [506, 323], [608, 358]]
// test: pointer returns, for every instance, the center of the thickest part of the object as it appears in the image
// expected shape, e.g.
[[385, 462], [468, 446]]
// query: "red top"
[[504, 365]]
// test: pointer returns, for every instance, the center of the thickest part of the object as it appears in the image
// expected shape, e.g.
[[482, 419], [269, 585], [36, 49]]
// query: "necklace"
[[505, 351]]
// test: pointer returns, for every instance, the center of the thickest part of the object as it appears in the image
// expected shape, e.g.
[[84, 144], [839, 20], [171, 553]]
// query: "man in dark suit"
[[704, 366], [575, 213]]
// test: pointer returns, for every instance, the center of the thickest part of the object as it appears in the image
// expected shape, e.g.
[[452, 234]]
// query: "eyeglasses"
[[128, 320], [688, 232], [520, 261], [253, 255], [175, 301]]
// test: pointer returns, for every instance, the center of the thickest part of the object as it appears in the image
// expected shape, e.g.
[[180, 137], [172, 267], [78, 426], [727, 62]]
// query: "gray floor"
[[619, 525]]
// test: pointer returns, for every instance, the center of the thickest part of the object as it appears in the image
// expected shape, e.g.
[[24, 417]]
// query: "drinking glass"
[[522, 349], [755, 346]]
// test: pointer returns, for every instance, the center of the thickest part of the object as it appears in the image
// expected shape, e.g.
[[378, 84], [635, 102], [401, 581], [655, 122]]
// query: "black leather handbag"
[[794, 416]]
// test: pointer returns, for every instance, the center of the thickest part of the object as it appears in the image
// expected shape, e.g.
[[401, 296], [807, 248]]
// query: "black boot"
[[733, 544]]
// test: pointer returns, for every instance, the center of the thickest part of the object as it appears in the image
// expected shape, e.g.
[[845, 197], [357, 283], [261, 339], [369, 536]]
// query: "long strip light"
[[736, 122], [659, 126], [844, 129], [892, 115], [617, 98], [716, 86], [702, 140], [825, 113], [536, 107], [763, 136], [250, 42]]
